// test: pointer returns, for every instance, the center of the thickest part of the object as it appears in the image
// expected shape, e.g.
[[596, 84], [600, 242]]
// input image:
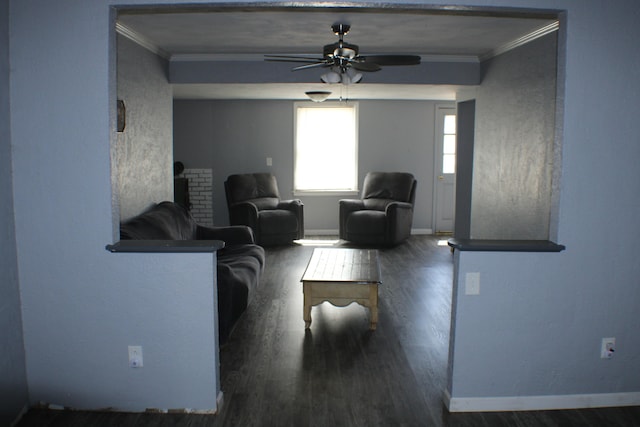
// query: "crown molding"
[[540, 32], [142, 41]]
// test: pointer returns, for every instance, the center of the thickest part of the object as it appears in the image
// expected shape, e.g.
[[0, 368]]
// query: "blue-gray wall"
[[531, 338], [237, 136], [13, 381], [82, 306], [143, 155], [535, 328]]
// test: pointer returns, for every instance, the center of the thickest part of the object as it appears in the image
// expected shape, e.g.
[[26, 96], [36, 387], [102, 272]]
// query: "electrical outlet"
[[269, 161], [135, 356], [472, 284], [607, 348]]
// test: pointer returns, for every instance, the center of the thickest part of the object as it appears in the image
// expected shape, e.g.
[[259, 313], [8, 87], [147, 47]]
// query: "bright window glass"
[[326, 148], [449, 144]]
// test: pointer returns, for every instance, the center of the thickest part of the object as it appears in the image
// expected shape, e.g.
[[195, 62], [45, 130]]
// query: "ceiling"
[[228, 33]]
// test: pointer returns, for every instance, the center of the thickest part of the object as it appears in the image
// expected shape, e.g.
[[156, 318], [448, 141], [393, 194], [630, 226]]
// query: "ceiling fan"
[[342, 57]]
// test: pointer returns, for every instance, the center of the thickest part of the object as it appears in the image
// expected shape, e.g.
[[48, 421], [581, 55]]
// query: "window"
[[326, 147], [449, 144]]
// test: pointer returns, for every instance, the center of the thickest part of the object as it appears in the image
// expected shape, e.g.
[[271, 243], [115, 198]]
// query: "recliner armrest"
[[243, 213], [231, 235], [346, 207], [350, 205], [398, 205], [290, 205]]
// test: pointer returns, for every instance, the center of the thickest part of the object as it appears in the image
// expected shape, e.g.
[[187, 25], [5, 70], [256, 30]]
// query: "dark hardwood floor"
[[339, 373]]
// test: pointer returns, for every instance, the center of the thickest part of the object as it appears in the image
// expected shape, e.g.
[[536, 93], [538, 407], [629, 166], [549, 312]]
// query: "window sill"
[[326, 193]]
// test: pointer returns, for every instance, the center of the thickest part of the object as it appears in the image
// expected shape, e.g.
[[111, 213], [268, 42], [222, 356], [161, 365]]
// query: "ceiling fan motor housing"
[[345, 50]]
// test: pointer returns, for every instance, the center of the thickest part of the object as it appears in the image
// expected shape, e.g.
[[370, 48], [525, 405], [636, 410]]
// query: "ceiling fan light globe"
[[354, 75], [330, 77]]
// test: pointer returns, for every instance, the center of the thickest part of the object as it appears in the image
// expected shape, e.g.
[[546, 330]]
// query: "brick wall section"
[[200, 196]]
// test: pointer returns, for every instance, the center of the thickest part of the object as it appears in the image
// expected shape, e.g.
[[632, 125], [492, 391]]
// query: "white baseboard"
[[321, 232], [540, 403], [421, 231], [414, 231]]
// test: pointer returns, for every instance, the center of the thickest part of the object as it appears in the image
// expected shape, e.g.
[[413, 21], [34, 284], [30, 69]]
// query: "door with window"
[[445, 169]]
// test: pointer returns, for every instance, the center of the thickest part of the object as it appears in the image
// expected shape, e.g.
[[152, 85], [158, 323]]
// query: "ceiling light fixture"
[[317, 95], [342, 75]]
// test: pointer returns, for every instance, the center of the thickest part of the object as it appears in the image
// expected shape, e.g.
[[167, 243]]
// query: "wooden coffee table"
[[341, 277]]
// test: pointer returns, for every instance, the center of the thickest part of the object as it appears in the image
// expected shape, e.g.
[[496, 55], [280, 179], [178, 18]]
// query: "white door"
[[445, 169]]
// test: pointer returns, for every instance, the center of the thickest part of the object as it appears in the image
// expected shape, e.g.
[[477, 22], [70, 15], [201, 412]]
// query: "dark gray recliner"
[[384, 215], [253, 199]]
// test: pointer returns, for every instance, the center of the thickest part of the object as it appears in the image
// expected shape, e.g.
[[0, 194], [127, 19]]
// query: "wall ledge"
[[504, 245], [171, 246]]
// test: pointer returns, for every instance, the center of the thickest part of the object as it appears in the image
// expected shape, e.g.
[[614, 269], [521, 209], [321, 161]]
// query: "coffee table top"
[[343, 265]]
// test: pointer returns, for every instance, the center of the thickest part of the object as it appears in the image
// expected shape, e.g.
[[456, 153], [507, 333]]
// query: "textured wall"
[[513, 148], [144, 160], [13, 381], [237, 136]]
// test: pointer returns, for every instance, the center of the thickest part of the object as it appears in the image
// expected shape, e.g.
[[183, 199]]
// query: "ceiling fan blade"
[[365, 66], [391, 59], [292, 58], [315, 65]]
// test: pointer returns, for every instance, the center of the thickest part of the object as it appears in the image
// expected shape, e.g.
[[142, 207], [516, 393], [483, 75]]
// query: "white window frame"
[[330, 134]]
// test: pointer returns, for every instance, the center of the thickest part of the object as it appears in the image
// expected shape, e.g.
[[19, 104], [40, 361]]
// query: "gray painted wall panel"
[[237, 137], [143, 156], [13, 380]]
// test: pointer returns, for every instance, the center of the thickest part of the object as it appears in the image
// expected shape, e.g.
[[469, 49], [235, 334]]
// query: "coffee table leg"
[[306, 310], [373, 306]]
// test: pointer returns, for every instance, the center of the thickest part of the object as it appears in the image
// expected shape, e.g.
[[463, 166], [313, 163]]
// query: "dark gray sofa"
[[240, 262]]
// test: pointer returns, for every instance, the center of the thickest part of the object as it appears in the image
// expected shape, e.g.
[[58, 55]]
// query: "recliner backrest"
[[241, 187], [399, 186]]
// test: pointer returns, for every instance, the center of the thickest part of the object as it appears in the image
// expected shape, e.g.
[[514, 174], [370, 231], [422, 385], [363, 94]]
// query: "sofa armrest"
[[231, 235]]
